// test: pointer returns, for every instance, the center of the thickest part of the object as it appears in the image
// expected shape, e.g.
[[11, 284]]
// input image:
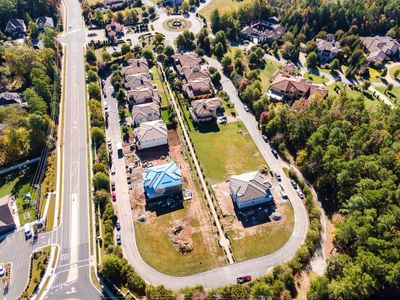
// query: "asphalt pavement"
[[72, 274], [17, 251], [222, 275]]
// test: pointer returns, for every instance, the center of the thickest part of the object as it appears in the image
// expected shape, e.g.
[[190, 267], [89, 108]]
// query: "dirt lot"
[[188, 222], [254, 228]]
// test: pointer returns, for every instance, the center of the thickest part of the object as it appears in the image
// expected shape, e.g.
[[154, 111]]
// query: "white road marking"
[[71, 291], [73, 270]]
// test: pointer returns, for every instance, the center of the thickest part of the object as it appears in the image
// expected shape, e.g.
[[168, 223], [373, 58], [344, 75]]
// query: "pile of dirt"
[[181, 236]]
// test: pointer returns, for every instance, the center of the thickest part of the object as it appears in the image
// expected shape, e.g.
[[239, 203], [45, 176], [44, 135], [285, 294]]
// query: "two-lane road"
[[72, 273]]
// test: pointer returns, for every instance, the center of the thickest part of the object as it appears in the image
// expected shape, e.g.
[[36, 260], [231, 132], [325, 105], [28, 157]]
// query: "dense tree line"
[[34, 74], [304, 19], [352, 156], [25, 9]]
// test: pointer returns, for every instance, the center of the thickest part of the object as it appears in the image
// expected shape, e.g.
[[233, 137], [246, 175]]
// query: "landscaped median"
[[39, 263]]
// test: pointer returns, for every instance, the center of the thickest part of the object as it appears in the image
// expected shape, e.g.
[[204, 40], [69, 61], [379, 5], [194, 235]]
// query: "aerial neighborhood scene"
[[200, 149]]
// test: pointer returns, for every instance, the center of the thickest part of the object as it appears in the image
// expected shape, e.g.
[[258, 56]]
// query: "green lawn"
[[393, 70], [165, 115], [266, 74], [374, 75], [161, 86], [316, 78], [18, 183], [224, 151], [221, 5], [371, 103], [268, 238], [157, 250], [394, 93]]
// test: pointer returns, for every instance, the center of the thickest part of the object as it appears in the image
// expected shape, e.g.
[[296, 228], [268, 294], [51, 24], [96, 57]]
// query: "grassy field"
[[395, 92], [158, 251], [316, 78], [221, 5], [224, 151], [374, 75], [266, 74], [393, 70], [161, 87], [371, 103], [39, 265], [18, 183], [268, 238]]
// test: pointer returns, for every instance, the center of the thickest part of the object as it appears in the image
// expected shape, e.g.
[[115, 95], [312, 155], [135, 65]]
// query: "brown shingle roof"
[[205, 108]]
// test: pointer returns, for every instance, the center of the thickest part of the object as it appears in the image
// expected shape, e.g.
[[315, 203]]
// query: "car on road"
[[92, 34], [300, 194], [284, 196], [105, 106], [2, 271], [278, 176], [293, 183], [114, 197], [112, 169], [113, 185], [243, 279], [118, 225], [265, 138], [109, 144], [246, 108], [118, 238], [275, 153]]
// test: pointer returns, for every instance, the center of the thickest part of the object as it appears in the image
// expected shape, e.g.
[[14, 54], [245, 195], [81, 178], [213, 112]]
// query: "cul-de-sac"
[[200, 149]]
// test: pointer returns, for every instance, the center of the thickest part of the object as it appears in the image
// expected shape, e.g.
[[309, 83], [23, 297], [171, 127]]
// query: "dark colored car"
[[265, 138], [294, 184], [119, 241], [114, 197], [113, 185], [275, 153], [243, 279], [118, 225]]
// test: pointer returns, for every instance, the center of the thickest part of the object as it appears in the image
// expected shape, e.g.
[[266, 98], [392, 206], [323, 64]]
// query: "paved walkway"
[[20, 165]]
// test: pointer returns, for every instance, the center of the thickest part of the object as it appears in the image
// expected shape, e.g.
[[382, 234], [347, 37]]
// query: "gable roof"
[[144, 94], [10, 98], [187, 59], [6, 218], [284, 80], [325, 45], [162, 176], [194, 73], [249, 186], [384, 43], [199, 87], [136, 66], [14, 25], [145, 109], [44, 21], [137, 81], [151, 131], [205, 108]]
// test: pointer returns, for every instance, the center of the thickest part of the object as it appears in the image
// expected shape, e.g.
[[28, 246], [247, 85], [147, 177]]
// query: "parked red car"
[[243, 279], [114, 197]]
